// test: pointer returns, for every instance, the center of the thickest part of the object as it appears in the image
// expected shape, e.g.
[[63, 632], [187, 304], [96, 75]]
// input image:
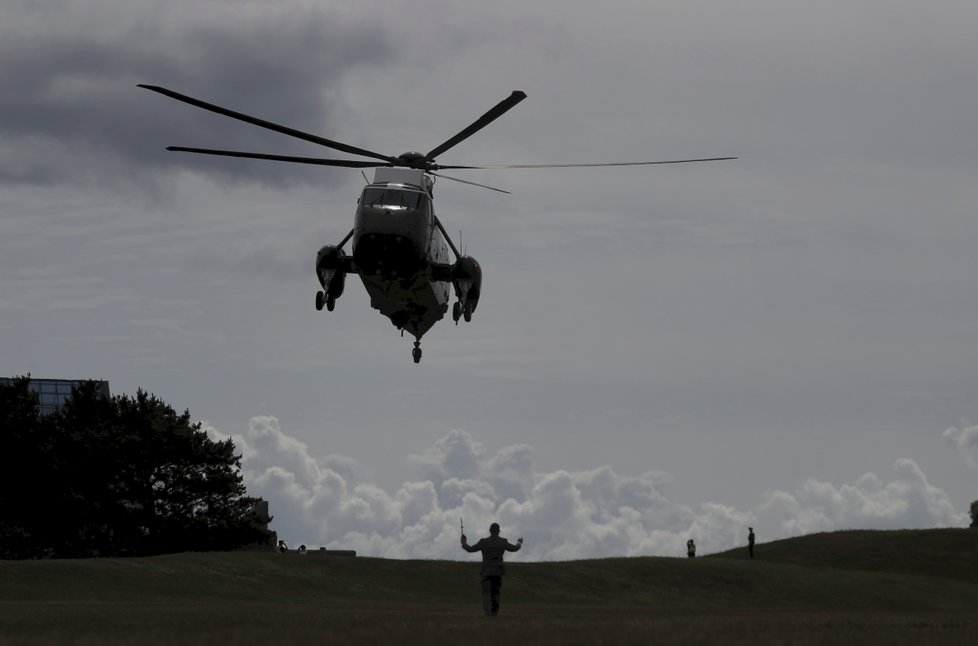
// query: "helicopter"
[[399, 248]]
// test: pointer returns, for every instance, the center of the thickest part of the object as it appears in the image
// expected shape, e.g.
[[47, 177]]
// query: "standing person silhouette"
[[492, 547], [750, 541]]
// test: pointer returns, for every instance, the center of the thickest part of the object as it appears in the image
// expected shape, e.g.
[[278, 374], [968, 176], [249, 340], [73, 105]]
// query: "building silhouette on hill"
[[52, 393]]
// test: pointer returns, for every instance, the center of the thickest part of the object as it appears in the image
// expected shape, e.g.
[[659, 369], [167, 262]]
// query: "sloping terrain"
[[939, 553]]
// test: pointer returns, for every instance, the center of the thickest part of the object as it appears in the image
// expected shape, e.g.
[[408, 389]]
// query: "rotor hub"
[[413, 159]]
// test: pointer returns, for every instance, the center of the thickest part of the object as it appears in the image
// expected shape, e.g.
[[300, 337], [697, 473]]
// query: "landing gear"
[[325, 299], [460, 311], [416, 353]]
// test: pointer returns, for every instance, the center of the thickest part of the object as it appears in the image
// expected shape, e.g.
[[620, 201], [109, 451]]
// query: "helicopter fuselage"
[[400, 253], [403, 256]]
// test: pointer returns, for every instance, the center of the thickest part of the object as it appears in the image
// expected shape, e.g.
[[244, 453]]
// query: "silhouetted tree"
[[26, 449], [116, 476], [974, 514]]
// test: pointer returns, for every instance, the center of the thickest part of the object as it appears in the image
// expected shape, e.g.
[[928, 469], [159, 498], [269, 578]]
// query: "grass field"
[[866, 587]]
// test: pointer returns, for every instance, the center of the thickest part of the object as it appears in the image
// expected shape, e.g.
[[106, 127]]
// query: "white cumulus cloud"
[[965, 440], [908, 501], [563, 514]]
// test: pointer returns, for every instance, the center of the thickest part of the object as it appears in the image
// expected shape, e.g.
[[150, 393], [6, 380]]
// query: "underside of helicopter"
[[402, 256]]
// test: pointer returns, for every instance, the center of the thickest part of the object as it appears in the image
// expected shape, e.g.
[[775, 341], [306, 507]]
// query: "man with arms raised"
[[492, 547]]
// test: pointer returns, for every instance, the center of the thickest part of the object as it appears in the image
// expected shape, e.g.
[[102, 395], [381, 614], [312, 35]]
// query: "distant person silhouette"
[[492, 547], [690, 549], [750, 541]]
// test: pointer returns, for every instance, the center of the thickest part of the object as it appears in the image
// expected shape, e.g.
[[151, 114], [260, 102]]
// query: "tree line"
[[116, 476]]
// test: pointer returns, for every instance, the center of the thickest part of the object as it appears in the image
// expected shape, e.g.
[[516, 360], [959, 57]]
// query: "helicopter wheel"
[[456, 312], [330, 302], [467, 312], [416, 353], [320, 301]]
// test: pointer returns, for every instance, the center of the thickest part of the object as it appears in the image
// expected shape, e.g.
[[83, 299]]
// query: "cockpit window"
[[392, 198]]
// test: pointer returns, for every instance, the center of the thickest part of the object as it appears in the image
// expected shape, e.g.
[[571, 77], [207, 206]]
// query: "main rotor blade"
[[500, 108], [464, 181], [650, 163], [345, 163], [261, 123]]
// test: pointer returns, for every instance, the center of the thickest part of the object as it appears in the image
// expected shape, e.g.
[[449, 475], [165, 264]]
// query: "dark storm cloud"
[[70, 110]]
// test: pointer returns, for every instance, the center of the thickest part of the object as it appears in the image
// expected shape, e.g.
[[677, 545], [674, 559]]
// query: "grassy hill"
[[844, 587], [940, 553]]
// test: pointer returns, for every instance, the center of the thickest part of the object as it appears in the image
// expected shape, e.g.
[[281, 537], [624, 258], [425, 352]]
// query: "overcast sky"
[[786, 341]]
